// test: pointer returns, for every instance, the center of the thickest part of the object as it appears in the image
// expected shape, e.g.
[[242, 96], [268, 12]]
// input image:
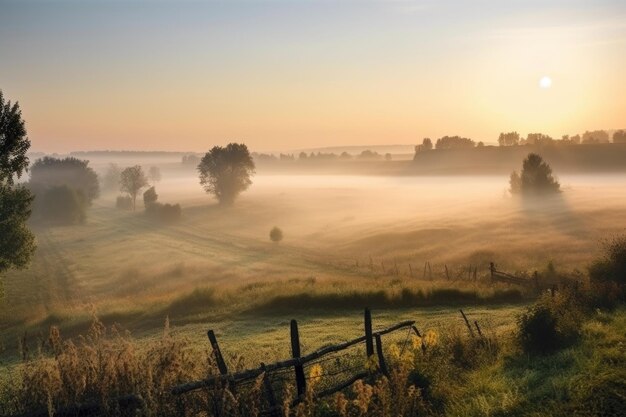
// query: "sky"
[[281, 75]]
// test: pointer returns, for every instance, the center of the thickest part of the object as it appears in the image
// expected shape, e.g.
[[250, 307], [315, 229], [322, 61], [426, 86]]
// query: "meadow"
[[349, 241]]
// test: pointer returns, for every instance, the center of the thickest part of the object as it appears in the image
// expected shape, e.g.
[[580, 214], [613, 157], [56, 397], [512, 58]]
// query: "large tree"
[[17, 243], [535, 178], [132, 180], [225, 171], [74, 173], [509, 139]]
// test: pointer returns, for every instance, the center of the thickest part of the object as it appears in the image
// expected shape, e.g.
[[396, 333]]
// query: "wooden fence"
[[373, 349]]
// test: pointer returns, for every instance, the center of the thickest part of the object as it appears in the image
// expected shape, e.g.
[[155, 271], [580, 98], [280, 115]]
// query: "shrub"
[[611, 267], [166, 213], [276, 235], [63, 205], [124, 202], [551, 324], [150, 197]]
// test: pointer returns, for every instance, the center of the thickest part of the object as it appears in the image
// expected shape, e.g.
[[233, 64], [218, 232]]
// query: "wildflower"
[[431, 338]]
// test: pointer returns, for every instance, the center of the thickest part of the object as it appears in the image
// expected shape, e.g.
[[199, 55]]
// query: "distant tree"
[[276, 235], [150, 197], [619, 136], [132, 180], [575, 139], [302, 156], [50, 172], [596, 136], [17, 243], [480, 144], [454, 142], [427, 144], [63, 205], [538, 139], [111, 178], [154, 173], [191, 160], [508, 139], [535, 178], [388, 156], [225, 171], [368, 154], [345, 155]]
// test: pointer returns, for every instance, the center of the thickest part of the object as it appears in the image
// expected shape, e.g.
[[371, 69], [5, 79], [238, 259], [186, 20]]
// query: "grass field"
[[217, 266]]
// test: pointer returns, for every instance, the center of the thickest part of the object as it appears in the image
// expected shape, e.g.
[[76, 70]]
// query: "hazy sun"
[[545, 82]]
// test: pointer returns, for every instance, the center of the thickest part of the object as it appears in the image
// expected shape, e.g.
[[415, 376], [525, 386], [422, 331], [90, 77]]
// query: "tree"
[[150, 197], [538, 139], [225, 171], [154, 173], [508, 139], [596, 136], [619, 136], [276, 235], [51, 172], [454, 142], [13, 142], [17, 243], [132, 180], [427, 144], [63, 205], [535, 178], [388, 156]]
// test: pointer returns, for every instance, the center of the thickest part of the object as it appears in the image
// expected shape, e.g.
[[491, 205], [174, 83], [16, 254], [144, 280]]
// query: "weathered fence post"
[[430, 271], [492, 269], [480, 333], [467, 324], [447, 274], [369, 342], [410, 270], [395, 264], [424, 274], [381, 358], [219, 359], [271, 398], [295, 353]]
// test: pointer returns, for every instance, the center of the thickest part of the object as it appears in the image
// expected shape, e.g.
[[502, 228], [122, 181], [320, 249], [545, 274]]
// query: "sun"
[[545, 82]]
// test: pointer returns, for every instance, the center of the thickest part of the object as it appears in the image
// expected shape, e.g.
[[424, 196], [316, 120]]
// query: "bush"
[[611, 267], [166, 213], [150, 197], [63, 205], [276, 235], [551, 324], [124, 202], [536, 177]]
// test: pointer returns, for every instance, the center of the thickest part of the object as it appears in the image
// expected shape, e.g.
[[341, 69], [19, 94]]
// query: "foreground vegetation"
[[512, 371]]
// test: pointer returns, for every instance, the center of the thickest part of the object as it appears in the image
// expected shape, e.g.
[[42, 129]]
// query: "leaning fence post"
[[478, 328], [369, 342], [381, 358], [295, 353], [221, 365], [271, 398], [467, 323]]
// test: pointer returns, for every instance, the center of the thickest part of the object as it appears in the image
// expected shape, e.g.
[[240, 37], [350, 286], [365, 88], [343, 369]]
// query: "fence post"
[[221, 365], [381, 358], [410, 270], [424, 274], [492, 269], [382, 265], [475, 271], [478, 328], [430, 271], [447, 274], [467, 323], [395, 264], [271, 398], [369, 342], [295, 353], [371, 263]]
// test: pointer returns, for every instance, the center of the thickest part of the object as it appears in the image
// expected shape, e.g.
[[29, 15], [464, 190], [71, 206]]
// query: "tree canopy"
[[225, 171], [509, 139], [17, 243], [535, 178], [13, 142], [454, 142], [72, 172]]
